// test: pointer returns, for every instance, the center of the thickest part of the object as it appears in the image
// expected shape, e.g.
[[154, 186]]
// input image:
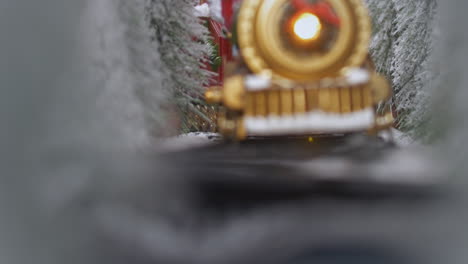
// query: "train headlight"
[[307, 26], [303, 42]]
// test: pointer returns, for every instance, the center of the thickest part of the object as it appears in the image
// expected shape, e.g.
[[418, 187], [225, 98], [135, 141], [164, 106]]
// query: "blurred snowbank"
[[72, 76], [401, 47], [190, 140], [399, 138], [450, 109]]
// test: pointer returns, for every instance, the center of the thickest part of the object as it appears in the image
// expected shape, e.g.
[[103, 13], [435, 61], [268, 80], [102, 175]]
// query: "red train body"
[[219, 35]]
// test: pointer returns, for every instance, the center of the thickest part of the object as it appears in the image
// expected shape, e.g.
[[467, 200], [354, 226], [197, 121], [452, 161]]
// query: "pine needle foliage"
[[183, 43], [401, 48]]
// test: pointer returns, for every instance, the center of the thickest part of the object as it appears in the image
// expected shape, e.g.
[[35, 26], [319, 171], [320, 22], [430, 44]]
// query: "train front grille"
[[308, 110], [282, 102]]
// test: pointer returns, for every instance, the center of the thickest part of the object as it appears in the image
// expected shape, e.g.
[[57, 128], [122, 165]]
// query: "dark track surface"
[[289, 201], [335, 165]]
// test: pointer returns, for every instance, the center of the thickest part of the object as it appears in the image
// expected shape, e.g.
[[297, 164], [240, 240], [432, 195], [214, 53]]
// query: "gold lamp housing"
[[307, 71], [261, 35]]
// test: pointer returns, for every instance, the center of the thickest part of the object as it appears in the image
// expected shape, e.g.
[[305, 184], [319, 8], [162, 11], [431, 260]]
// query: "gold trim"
[[335, 103], [356, 98], [381, 89], [261, 104], [324, 100], [312, 99], [345, 99], [214, 95], [250, 104], [366, 96], [286, 102], [303, 99], [260, 42], [299, 101], [274, 102], [233, 93]]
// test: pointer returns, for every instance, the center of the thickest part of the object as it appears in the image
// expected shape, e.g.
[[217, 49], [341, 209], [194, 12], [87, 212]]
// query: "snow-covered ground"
[[399, 138], [201, 139], [191, 140]]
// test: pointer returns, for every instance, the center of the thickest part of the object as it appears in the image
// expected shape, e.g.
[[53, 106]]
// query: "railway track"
[[299, 200]]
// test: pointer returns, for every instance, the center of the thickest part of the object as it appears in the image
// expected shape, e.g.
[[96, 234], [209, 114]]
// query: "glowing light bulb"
[[307, 26]]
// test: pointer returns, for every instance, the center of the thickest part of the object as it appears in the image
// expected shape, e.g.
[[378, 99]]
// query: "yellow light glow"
[[307, 26]]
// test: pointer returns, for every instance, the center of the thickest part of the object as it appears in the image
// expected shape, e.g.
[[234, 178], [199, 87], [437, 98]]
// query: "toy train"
[[296, 67]]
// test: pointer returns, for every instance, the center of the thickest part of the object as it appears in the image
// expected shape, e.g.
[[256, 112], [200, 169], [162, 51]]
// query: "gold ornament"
[[307, 74], [261, 34], [231, 95]]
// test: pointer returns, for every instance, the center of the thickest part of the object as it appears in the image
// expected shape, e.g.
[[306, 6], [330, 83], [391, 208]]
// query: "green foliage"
[[215, 56], [183, 44], [401, 48]]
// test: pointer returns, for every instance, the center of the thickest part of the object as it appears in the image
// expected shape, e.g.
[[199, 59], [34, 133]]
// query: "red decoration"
[[322, 9], [228, 11], [224, 45]]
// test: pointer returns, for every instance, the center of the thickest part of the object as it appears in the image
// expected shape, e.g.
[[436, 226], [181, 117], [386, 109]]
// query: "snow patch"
[[313, 122], [216, 11], [255, 83], [402, 139], [399, 138], [202, 10], [190, 140], [357, 76]]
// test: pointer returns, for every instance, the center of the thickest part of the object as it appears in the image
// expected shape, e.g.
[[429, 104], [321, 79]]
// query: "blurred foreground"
[[336, 200], [82, 182]]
